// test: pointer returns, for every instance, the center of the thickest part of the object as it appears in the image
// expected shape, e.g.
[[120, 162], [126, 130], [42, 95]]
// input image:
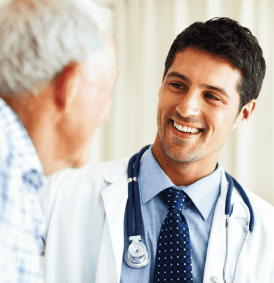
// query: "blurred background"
[[144, 31]]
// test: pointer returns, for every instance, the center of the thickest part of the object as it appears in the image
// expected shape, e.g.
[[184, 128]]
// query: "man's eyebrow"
[[188, 81], [219, 89], [181, 76]]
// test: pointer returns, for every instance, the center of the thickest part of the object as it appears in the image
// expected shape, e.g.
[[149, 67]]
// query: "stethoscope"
[[137, 255]]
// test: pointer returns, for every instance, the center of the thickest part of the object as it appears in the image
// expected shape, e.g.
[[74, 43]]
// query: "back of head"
[[228, 39], [39, 38]]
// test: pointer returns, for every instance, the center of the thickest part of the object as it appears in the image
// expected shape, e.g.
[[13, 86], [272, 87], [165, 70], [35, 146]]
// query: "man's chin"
[[182, 156]]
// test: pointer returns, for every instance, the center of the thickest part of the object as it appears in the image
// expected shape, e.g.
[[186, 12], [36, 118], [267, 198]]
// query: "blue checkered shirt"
[[21, 220]]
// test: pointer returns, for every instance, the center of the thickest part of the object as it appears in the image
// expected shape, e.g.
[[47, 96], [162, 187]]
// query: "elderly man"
[[57, 66], [195, 221]]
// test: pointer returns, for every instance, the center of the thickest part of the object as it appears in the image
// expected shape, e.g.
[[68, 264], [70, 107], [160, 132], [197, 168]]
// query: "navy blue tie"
[[173, 256]]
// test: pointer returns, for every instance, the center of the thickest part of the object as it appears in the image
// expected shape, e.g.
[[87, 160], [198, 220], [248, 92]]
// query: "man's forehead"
[[178, 61], [200, 51]]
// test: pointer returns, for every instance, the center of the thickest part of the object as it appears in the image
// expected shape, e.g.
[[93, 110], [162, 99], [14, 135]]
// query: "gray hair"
[[40, 37]]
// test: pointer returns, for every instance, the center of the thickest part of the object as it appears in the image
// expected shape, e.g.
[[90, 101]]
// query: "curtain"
[[144, 31]]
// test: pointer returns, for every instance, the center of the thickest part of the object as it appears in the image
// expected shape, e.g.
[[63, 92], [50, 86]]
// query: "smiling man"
[[198, 109], [197, 223]]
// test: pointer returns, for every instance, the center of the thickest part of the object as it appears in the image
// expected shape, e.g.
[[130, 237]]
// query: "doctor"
[[213, 76]]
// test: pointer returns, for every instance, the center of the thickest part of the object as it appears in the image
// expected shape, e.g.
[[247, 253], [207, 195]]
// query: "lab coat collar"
[[239, 206], [112, 244], [116, 171]]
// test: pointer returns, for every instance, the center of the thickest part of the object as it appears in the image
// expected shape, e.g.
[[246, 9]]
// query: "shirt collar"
[[18, 146], [203, 193]]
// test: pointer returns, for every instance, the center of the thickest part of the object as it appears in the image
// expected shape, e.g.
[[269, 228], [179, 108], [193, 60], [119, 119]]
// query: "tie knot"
[[174, 198]]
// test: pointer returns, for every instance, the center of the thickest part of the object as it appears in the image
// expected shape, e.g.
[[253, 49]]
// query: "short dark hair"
[[226, 38]]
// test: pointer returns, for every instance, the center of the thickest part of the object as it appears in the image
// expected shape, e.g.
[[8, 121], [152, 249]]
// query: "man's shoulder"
[[92, 175], [259, 205], [80, 187], [263, 210], [93, 170], [259, 202]]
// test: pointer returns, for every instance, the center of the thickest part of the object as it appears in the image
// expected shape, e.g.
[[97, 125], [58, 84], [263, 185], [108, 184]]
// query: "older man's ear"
[[67, 85]]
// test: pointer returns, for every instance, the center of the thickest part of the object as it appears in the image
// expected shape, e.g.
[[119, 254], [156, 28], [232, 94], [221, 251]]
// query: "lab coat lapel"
[[217, 241], [112, 243], [216, 245]]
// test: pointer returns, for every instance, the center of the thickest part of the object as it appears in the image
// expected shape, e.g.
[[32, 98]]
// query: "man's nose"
[[190, 104]]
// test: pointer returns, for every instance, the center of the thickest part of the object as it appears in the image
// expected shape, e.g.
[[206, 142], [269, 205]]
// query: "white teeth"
[[185, 129]]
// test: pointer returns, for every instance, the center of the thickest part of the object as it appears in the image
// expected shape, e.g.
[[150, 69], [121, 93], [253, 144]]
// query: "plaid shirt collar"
[[16, 146]]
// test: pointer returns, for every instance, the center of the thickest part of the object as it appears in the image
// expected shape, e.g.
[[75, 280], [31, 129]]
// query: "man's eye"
[[210, 96], [178, 86]]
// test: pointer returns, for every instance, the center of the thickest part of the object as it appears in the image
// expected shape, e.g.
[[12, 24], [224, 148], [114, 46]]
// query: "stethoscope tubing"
[[228, 208], [134, 193], [130, 196]]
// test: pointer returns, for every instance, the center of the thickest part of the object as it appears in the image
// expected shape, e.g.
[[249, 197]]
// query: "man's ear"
[[67, 85], [246, 112]]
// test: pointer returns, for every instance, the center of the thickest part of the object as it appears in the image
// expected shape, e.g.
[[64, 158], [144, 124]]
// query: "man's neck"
[[184, 173]]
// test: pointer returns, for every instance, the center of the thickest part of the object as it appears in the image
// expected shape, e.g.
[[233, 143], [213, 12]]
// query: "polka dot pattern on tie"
[[173, 256]]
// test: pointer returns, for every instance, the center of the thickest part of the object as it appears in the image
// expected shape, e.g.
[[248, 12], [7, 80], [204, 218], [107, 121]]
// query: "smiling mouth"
[[186, 129]]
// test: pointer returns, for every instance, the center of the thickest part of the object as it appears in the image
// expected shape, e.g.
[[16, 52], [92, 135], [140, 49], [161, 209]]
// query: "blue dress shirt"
[[21, 219], [198, 211]]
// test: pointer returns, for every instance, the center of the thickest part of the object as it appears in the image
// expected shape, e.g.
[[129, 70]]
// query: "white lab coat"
[[84, 211]]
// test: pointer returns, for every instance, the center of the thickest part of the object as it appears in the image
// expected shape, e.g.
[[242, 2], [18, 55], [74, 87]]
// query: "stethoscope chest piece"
[[137, 255]]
